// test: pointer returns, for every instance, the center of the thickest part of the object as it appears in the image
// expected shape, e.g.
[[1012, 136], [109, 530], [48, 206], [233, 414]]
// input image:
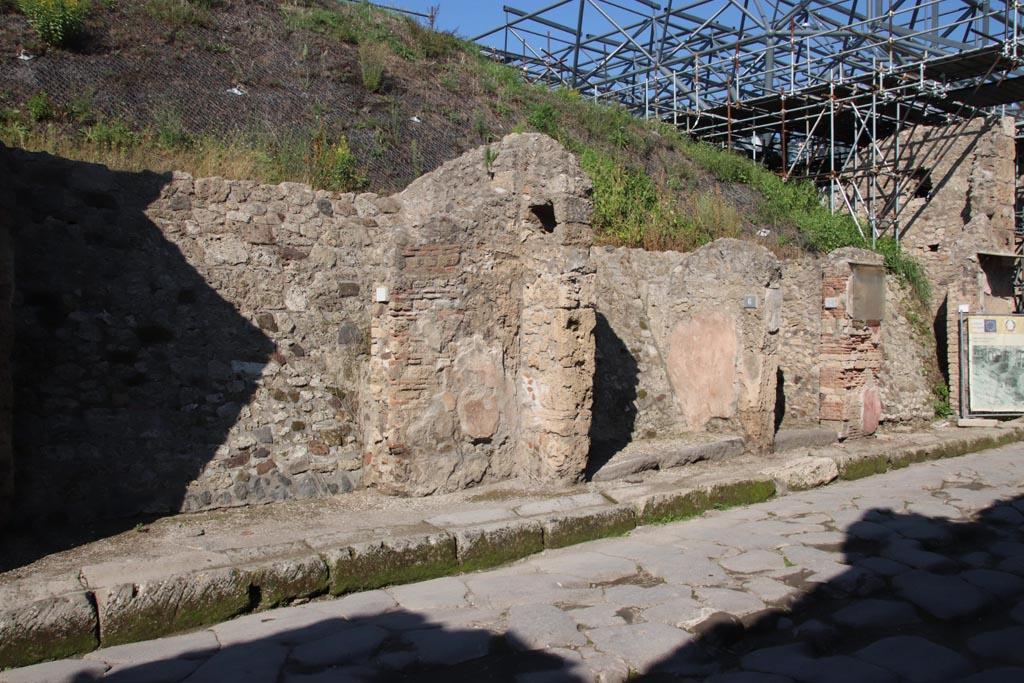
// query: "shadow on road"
[[917, 599]]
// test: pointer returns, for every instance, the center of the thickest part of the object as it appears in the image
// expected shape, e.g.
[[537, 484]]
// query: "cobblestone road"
[[915, 575]]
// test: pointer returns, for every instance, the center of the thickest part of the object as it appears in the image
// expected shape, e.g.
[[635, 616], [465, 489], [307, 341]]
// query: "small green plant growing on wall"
[[490, 156], [57, 22], [40, 107], [332, 166]]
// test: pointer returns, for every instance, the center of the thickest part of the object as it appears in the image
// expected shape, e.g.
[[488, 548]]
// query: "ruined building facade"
[[170, 343]]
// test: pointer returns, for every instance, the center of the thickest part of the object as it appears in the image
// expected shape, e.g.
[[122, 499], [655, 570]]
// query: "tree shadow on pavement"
[[919, 599]]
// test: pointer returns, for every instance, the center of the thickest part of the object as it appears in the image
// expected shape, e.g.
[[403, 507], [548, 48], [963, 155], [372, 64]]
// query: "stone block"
[[132, 612], [659, 508], [718, 449], [282, 580], [804, 473], [561, 530], [787, 439], [490, 545], [373, 564], [48, 629]]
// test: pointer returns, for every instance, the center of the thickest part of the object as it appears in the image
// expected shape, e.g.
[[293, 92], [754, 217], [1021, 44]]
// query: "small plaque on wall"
[[867, 292]]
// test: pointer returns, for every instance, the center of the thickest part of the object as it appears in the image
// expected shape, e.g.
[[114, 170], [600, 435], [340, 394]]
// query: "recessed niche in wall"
[[997, 271]]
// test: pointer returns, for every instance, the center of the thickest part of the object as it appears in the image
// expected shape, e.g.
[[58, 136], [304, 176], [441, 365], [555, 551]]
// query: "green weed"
[[40, 107], [58, 22]]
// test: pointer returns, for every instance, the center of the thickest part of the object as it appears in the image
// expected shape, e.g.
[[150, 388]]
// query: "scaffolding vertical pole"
[[785, 150], [895, 179], [873, 173], [832, 144]]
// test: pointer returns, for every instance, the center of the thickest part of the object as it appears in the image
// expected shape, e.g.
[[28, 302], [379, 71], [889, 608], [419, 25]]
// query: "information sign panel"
[[995, 363]]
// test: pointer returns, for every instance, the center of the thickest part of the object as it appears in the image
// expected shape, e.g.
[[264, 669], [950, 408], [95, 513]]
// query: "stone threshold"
[[130, 599]]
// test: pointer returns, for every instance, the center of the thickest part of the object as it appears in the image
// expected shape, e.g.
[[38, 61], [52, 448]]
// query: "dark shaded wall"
[[6, 340], [121, 397]]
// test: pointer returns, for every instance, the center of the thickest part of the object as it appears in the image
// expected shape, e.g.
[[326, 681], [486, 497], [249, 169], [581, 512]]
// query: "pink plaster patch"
[[872, 411]]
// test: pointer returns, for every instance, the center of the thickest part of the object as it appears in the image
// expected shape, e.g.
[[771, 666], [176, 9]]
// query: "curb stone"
[[78, 622]]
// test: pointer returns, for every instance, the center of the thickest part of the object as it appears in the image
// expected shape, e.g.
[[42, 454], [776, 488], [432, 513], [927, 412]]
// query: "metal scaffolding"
[[817, 89]]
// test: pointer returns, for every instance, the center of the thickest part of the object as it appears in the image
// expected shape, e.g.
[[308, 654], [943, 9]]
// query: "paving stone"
[[1012, 565], [433, 594], [253, 663], [65, 671], [496, 590], [910, 554], [1004, 514], [1007, 549], [286, 625], [1001, 584], [747, 677], [916, 659], [684, 569], [640, 645], [771, 591], [356, 605], [869, 531], [597, 616], [681, 613], [346, 674], [942, 596], [631, 595], [976, 560], [540, 626], [1005, 675], [786, 660], [920, 529], [844, 669], [871, 613], [595, 567], [444, 647], [1017, 613], [753, 562], [1005, 646], [730, 601], [198, 645], [350, 645], [881, 566], [822, 538], [163, 671], [604, 667]]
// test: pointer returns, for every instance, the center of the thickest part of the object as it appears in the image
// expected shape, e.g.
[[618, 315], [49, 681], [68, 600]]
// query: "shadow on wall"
[[616, 376], [921, 599], [129, 370]]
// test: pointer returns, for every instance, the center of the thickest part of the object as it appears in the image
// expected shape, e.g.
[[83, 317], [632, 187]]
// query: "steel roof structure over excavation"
[[815, 88]]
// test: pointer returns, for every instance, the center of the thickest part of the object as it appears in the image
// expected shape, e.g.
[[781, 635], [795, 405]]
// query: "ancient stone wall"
[[6, 341], [957, 220], [799, 362], [194, 343], [482, 349], [686, 343], [827, 360]]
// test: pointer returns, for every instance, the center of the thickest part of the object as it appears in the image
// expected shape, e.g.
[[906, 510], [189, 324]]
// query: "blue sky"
[[470, 18]]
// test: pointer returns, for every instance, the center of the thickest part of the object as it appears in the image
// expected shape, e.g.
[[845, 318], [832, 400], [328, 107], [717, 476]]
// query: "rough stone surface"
[[658, 313], [241, 326], [47, 629], [133, 612], [805, 473]]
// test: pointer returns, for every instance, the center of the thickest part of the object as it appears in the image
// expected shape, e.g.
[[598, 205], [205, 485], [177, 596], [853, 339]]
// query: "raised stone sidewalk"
[[189, 571]]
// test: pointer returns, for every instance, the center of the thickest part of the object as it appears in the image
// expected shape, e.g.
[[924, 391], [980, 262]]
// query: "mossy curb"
[[380, 563], [491, 545], [672, 507], [280, 581], [579, 527], [855, 467], [52, 628], [129, 612]]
